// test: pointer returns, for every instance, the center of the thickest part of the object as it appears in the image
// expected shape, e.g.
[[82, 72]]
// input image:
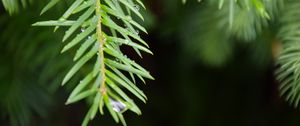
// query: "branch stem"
[[101, 40]]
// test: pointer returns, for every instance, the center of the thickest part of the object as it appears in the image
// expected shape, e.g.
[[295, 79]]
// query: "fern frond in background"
[[288, 72], [104, 27], [245, 19], [224, 22]]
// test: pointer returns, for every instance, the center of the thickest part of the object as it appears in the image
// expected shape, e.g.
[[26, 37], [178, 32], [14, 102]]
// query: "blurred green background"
[[205, 76]]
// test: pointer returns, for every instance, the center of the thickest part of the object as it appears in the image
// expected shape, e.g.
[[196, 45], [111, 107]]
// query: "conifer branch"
[[106, 80], [101, 39]]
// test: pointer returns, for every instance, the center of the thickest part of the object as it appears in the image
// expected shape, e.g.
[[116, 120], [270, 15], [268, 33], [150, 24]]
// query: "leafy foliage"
[[288, 73], [102, 34], [224, 22], [100, 28], [246, 18], [13, 6], [26, 75]]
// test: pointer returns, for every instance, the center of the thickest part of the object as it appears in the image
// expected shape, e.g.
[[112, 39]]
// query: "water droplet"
[[89, 37], [137, 7], [117, 105], [82, 29]]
